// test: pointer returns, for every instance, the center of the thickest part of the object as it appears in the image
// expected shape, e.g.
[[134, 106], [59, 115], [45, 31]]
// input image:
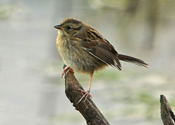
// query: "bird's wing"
[[102, 50]]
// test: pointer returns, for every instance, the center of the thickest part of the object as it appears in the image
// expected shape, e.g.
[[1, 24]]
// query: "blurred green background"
[[31, 89]]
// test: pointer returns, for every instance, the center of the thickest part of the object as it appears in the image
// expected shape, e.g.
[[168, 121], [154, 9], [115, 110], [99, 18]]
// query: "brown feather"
[[102, 51], [132, 60]]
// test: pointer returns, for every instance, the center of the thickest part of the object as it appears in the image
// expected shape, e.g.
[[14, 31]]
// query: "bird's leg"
[[66, 69], [86, 93]]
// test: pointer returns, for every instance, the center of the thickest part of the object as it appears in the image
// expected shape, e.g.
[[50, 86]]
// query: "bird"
[[83, 49]]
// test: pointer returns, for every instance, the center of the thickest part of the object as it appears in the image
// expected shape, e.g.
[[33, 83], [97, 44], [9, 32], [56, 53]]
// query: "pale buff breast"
[[75, 57]]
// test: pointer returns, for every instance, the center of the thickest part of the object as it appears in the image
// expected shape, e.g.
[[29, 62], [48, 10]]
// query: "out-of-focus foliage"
[[135, 13], [7, 10]]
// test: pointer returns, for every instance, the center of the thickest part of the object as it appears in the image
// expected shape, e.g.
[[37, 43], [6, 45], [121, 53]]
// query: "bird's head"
[[71, 27]]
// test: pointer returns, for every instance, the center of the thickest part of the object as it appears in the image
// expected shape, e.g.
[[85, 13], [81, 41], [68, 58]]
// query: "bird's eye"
[[68, 27]]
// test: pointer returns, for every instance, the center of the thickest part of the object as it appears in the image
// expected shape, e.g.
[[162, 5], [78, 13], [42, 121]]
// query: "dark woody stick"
[[87, 108], [167, 114]]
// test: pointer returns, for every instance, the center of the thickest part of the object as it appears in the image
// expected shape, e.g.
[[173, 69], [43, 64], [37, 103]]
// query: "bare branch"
[[87, 108], [167, 114]]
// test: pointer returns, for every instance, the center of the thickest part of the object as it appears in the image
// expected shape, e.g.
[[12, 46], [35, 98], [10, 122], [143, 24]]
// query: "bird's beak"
[[58, 26]]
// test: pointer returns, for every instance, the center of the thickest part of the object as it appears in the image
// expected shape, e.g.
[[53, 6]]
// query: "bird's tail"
[[132, 60]]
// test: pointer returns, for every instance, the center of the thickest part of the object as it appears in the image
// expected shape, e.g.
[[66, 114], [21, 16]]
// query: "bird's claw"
[[66, 69], [86, 94]]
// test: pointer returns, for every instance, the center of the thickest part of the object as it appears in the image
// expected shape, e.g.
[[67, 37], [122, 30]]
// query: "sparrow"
[[84, 49]]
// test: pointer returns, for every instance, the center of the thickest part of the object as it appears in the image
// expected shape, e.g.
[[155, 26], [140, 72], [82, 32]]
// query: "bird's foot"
[[86, 94], [66, 69]]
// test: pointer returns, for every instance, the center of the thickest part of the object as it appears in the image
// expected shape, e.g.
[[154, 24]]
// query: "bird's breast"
[[74, 56]]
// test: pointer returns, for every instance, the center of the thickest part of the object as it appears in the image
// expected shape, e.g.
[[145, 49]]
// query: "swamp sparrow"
[[85, 50]]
